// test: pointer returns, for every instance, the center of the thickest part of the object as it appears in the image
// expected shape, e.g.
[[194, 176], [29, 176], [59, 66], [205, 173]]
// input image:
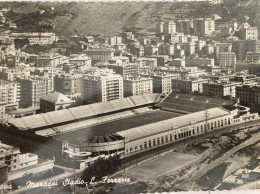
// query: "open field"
[[163, 165]]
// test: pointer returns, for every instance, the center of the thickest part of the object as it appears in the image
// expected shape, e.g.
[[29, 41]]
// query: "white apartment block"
[[101, 87]]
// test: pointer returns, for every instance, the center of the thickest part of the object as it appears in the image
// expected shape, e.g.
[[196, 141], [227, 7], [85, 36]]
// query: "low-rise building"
[[54, 101]]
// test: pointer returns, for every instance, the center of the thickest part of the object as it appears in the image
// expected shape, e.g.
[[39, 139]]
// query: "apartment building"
[[242, 47], [162, 83], [35, 37], [249, 95], [203, 26], [68, 84], [100, 54], [100, 87], [49, 60], [137, 86], [189, 85], [32, 89], [166, 49], [227, 59], [221, 89], [196, 62], [9, 97]]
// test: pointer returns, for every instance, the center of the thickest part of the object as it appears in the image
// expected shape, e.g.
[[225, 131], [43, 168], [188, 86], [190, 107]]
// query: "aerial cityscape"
[[129, 97]]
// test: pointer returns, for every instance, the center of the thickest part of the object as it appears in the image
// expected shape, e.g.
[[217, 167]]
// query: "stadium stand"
[[82, 111], [60, 116], [102, 107], [120, 104], [45, 132], [188, 103], [138, 100]]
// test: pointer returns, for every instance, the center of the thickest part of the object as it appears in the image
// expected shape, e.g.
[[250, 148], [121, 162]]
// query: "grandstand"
[[189, 103], [83, 112]]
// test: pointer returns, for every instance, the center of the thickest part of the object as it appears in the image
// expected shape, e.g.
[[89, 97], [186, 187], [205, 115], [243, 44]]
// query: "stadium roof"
[[71, 114], [158, 127], [84, 135]]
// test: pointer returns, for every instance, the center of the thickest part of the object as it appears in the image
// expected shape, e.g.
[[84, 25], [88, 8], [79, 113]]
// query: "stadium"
[[125, 126]]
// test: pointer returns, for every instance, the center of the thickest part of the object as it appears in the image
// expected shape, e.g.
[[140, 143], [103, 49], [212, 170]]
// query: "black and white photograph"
[[129, 97]]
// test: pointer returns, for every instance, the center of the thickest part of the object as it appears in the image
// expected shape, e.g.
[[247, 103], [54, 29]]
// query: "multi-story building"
[[69, 85], [137, 86], [249, 95], [189, 84], [189, 48], [35, 37], [166, 49], [169, 27], [184, 26], [151, 63], [32, 89], [80, 59], [241, 47], [100, 87], [253, 57], [175, 38], [196, 62], [20, 164], [254, 68], [177, 62], [159, 28], [162, 84], [222, 48], [49, 60], [124, 69], [9, 97], [150, 50], [11, 74], [200, 44], [220, 89], [227, 59], [203, 26], [113, 40], [162, 60], [250, 33], [100, 54]]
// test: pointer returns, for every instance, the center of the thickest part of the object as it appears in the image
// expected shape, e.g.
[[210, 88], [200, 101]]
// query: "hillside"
[[69, 18]]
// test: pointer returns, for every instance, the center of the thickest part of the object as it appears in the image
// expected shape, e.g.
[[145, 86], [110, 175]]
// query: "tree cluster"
[[100, 168]]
